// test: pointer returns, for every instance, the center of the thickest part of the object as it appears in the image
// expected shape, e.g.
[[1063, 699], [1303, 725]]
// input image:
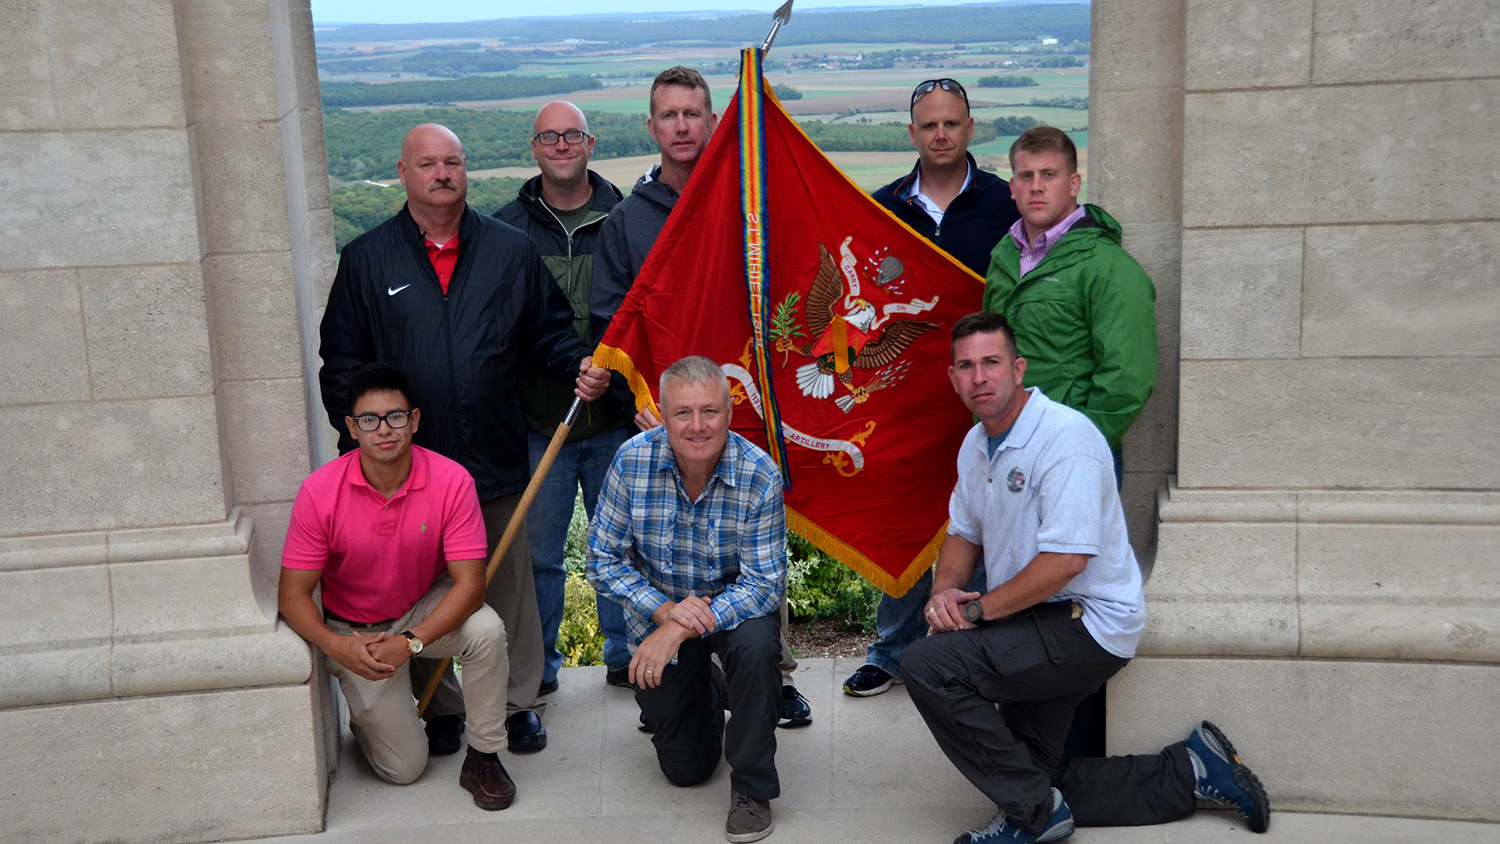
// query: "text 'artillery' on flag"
[[831, 320]]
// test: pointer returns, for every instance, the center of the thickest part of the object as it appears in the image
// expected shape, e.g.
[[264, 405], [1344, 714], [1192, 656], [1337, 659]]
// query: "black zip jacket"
[[461, 351], [975, 221]]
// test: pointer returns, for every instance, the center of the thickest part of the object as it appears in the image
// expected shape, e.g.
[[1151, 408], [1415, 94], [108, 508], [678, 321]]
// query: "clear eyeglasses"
[[371, 421], [549, 137]]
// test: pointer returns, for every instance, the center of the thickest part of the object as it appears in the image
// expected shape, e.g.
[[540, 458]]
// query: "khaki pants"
[[512, 595], [382, 713]]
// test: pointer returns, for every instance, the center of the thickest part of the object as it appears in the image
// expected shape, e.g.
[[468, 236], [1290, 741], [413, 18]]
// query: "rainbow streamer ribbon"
[[753, 205]]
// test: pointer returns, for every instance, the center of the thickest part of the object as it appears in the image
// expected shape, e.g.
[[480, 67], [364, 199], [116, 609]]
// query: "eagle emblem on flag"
[[846, 332]]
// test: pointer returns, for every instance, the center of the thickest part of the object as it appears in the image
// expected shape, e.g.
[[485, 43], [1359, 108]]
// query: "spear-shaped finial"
[[782, 15]]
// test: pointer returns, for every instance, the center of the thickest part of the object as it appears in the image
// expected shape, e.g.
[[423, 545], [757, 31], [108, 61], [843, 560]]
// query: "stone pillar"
[[166, 215], [1325, 586]]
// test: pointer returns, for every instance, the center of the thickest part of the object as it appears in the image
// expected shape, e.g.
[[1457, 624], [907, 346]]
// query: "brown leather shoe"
[[485, 778]]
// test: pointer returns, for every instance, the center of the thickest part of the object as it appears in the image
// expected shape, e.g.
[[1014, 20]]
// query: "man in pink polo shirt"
[[394, 535]]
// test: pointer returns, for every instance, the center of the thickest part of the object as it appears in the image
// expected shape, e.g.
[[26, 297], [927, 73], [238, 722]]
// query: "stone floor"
[[864, 770]]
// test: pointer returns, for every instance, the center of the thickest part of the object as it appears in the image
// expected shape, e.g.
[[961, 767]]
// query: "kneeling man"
[[1036, 503], [393, 533], [689, 536]]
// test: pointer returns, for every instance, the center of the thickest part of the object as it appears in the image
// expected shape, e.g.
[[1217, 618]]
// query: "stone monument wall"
[[168, 241], [1317, 178]]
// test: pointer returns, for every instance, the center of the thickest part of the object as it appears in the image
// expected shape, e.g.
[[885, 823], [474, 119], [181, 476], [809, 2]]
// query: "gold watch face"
[[414, 644]]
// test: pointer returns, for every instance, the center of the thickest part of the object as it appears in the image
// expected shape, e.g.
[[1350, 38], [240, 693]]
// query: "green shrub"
[[579, 638], [820, 587]]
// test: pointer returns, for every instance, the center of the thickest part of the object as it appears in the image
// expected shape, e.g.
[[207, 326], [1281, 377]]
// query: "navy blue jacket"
[[974, 222]]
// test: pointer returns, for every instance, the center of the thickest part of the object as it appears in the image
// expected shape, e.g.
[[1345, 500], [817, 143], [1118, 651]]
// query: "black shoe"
[[525, 733], [547, 687], [618, 676], [795, 710], [646, 726], [443, 734]]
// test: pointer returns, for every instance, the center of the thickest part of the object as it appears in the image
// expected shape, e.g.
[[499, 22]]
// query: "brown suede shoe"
[[485, 778]]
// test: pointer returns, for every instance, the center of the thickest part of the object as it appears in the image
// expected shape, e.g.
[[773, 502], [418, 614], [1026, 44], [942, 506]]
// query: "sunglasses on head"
[[949, 85]]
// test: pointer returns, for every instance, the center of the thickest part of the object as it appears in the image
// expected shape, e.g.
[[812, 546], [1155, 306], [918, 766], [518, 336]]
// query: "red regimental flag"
[[853, 311]]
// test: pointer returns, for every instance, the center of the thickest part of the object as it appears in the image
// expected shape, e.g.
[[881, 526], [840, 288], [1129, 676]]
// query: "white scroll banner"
[[792, 435]]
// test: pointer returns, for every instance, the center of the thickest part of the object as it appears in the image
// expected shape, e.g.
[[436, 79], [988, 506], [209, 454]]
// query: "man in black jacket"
[[965, 211], [562, 211], [459, 302]]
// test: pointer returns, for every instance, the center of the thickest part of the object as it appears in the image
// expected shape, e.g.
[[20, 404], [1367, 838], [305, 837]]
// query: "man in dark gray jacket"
[[562, 210], [682, 121]]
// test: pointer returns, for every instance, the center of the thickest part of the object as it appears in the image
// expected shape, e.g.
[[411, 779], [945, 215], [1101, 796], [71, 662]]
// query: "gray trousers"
[[1036, 666], [512, 595]]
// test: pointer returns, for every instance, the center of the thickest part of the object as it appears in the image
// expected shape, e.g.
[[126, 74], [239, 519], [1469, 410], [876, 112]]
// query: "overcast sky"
[[442, 11]]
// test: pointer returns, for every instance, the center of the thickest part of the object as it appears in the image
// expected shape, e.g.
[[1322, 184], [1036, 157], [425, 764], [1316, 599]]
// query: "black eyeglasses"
[[949, 85], [371, 421], [572, 136]]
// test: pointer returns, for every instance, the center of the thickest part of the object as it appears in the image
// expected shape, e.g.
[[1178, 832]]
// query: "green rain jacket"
[[1085, 320]]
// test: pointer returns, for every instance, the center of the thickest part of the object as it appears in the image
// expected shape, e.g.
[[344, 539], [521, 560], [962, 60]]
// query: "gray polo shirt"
[[1050, 487]]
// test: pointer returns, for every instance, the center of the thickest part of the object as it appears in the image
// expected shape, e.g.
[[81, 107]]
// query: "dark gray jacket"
[[624, 243], [570, 257]]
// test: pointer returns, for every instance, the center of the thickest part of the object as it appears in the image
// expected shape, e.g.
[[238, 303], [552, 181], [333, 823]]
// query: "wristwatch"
[[974, 612], [412, 642]]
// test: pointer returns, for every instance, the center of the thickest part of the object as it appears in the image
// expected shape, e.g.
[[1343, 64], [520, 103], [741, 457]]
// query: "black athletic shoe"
[[795, 710]]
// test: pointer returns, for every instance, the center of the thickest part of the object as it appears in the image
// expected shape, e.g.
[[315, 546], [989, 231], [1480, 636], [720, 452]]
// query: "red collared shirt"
[[443, 259]]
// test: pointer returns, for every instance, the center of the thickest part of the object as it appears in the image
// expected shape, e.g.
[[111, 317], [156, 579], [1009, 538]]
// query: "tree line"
[[358, 94]]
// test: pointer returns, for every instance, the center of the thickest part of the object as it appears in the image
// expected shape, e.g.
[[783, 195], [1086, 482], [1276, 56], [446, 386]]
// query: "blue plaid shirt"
[[649, 543]]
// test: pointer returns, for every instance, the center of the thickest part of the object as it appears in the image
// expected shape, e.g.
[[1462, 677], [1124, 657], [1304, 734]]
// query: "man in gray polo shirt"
[[1036, 504]]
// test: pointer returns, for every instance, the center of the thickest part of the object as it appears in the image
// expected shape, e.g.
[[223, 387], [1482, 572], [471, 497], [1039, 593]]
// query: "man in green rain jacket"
[[1083, 310]]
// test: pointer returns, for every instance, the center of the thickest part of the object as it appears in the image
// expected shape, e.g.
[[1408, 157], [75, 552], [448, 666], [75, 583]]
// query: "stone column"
[[1325, 586], [167, 229]]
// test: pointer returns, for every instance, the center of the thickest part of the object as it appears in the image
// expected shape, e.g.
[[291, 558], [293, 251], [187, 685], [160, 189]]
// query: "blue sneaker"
[[1223, 778], [1059, 826]]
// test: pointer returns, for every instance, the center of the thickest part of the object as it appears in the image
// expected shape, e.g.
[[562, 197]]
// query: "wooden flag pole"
[[512, 527]]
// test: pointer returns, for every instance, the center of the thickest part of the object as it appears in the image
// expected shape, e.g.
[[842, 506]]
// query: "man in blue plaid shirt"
[[689, 536]]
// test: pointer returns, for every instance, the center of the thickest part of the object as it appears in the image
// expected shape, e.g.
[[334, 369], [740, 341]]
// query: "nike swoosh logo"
[[392, 291]]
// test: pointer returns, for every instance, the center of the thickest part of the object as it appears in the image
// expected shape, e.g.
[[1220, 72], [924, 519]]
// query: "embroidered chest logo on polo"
[[422, 528], [1015, 481]]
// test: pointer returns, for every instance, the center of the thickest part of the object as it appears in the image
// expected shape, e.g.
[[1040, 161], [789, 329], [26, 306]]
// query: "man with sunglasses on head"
[[393, 534], [562, 210], [462, 303], [964, 211]]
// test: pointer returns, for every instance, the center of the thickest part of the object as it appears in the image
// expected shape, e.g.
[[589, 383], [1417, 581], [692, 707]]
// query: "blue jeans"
[[900, 621], [584, 463]]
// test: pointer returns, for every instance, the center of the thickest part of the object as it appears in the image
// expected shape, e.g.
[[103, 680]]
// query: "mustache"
[[441, 184]]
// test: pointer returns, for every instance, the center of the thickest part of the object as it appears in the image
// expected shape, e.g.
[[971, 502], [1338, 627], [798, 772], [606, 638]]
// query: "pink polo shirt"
[[380, 556]]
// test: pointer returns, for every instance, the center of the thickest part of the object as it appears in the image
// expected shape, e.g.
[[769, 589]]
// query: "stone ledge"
[[159, 667], [1329, 574], [232, 536], [1326, 505]]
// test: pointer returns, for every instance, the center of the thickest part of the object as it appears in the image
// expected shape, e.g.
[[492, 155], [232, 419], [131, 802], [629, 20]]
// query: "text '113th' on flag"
[[831, 319]]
